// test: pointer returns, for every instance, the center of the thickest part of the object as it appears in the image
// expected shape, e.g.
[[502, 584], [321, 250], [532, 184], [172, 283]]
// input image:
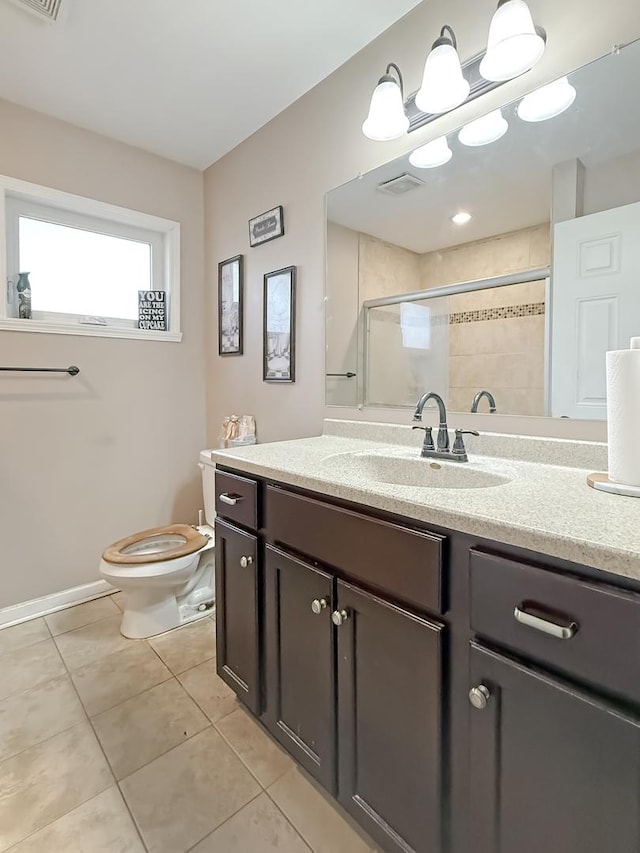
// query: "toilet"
[[166, 573]]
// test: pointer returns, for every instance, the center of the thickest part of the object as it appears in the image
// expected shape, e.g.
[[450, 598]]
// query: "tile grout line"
[[242, 760], [117, 785], [160, 754], [44, 740], [177, 746], [79, 627], [193, 846], [288, 819]]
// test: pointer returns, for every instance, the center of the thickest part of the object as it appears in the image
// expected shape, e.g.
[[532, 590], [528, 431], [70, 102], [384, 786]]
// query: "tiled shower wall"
[[496, 336]]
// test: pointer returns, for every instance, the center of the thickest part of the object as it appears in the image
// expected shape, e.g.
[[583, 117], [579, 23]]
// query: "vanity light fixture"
[[433, 154], [387, 118], [514, 45], [443, 86], [547, 101], [484, 130], [461, 218]]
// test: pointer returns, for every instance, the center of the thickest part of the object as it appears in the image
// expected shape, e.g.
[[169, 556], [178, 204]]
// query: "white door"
[[595, 305]]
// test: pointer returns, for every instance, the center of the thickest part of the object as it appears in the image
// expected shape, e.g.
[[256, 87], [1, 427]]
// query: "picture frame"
[[267, 226], [231, 306], [279, 326]]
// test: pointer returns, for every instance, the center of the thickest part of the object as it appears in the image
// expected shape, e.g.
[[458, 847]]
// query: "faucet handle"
[[458, 444], [428, 437]]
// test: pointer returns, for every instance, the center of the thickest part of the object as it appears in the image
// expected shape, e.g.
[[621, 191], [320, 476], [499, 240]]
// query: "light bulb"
[[484, 130], [435, 153], [461, 218], [443, 86], [547, 102], [387, 118], [514, 46]]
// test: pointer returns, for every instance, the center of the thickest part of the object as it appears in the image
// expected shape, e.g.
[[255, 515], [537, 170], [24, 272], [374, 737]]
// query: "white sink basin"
[[413, 471]]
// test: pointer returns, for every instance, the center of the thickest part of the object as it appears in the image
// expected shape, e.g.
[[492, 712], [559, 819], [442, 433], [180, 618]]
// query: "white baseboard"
[[56, 601]]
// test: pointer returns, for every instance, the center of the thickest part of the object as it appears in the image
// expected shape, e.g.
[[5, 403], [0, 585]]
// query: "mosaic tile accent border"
[[500, 313]]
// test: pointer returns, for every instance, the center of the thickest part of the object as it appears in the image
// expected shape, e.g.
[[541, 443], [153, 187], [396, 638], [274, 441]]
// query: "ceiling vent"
[[400, 185], [45, 8]]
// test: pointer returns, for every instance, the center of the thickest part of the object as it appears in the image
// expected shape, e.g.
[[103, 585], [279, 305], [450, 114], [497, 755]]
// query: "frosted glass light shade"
[[513, 46], [386, 119], [484, 130], [547, 102], [443, 86], [435, 153]]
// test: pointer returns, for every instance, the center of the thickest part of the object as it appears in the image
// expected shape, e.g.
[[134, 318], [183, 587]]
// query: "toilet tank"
[[208, 468]]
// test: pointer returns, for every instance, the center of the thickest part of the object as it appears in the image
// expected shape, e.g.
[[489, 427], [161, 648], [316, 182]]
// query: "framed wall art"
[[267, 226], [230, 309], [279, 326]]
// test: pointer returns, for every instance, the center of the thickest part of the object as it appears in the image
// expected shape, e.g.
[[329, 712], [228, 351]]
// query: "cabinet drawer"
[[589, 631], [406, 564], [237, 499]]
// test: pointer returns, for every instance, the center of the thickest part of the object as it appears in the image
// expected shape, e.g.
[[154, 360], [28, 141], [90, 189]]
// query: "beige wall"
[[88, 460], [315, 145], [342, 308]]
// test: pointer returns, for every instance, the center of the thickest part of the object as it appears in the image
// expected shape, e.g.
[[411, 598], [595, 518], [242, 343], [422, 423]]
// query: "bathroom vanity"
[[459, 666]]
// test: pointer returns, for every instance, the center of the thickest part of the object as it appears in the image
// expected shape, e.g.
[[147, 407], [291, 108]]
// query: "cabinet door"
[[300, 662], [551, 768], [390, 721], [237, 612]]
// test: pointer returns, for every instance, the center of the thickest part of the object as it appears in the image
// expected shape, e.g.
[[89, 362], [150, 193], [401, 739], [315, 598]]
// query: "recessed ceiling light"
[[461, 218]]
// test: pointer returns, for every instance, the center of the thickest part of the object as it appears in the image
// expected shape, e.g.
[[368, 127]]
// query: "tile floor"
[[109, 745]]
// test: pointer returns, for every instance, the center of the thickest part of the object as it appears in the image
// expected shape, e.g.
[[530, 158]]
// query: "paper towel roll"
[[623, 414]]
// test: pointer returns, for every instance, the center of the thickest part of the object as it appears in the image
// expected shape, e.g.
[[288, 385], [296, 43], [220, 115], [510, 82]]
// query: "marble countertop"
[[544, 506]]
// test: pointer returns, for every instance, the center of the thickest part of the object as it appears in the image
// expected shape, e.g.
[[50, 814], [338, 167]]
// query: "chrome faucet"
[[458, 452], [490, 398], [443, 430]]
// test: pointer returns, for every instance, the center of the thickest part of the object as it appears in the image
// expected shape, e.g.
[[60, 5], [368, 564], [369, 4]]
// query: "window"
[[87, 263]]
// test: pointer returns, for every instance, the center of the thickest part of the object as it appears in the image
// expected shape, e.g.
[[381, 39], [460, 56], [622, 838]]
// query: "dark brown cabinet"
[[359, 637], [237, 612], [390, 721], [299, 654], [552, 768], [388, 734]]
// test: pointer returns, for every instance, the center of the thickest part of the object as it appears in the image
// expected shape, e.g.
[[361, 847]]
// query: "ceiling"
[[505, 185], [186, 79]]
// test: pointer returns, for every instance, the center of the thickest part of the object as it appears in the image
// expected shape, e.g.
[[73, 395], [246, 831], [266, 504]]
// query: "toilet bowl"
[[166, 573]]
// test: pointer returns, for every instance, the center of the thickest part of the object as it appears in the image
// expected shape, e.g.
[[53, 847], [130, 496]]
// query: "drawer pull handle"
[[560, 632], [231, 500], [339, 617], [318, 605], [245, 562]]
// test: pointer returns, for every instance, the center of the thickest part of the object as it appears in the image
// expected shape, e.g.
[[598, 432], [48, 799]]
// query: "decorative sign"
[[266, 227], [152, 310]]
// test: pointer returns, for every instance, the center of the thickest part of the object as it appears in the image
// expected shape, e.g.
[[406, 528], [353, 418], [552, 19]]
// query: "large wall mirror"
[[523, 294]]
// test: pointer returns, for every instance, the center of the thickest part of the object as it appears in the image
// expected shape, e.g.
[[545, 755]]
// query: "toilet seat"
[[155, 545]]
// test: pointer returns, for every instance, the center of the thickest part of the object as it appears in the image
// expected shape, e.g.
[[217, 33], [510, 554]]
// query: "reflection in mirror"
[[512, 268]]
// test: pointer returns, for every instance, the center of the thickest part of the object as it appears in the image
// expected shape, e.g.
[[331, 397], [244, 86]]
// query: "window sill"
[[14, 325]]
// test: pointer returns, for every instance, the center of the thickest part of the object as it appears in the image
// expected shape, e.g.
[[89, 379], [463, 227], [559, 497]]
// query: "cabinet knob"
[[246, 561], [479, 697], [318, 605], [338, 617]]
